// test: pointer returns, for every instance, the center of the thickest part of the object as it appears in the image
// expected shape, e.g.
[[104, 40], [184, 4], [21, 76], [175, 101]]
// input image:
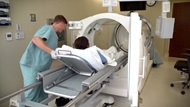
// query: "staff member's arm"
[[41, 44]]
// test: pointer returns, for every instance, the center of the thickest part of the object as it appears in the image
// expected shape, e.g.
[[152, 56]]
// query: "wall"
[[20, 10]]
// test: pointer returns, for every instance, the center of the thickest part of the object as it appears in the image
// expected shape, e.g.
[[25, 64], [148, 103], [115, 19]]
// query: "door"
[[181, 37]]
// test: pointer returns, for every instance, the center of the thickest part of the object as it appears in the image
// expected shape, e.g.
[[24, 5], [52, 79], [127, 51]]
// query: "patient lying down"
[[95, 56]]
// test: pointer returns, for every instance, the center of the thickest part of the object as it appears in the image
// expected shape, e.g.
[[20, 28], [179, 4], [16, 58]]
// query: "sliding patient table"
[[76, 78]]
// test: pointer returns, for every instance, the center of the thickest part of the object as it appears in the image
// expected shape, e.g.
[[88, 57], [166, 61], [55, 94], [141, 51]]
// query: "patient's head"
[[81, 43]]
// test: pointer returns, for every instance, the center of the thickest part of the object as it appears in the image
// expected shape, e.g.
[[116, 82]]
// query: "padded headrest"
[[77, 64]]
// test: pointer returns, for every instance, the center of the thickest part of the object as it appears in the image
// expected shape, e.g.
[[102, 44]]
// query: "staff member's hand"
[[54, 54]]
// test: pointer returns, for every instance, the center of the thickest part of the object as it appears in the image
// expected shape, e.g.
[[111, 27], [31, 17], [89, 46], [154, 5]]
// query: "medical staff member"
[[39, 55]]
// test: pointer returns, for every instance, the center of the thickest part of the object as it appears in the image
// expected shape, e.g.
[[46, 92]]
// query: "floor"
[[157, 91]]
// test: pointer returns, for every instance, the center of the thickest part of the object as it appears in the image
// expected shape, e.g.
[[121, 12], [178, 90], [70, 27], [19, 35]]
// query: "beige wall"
[[20, 10]]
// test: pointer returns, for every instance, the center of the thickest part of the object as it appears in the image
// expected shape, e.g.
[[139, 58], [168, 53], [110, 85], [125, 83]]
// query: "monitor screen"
[[132, 5]]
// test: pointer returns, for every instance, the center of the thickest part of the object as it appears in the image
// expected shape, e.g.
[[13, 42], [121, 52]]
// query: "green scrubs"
[[36, 60]]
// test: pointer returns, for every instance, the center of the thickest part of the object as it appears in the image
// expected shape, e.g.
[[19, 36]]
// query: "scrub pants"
[[35, 94]]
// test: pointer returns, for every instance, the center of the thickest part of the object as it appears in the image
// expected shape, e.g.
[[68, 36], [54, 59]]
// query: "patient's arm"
[[103, 59]]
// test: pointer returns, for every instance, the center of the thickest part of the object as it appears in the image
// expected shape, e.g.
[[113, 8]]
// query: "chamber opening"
[[105, 33]]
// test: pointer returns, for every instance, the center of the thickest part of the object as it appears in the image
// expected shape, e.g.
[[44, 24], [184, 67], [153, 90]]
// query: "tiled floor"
[[157, 91]]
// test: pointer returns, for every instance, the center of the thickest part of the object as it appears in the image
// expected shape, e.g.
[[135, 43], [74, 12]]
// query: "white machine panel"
[[164, 27]]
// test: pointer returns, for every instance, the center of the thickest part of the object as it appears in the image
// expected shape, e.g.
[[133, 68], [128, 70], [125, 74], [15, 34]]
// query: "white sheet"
[[91, 55]]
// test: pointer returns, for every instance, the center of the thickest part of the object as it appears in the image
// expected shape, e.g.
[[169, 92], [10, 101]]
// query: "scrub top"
[[37, 58]]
